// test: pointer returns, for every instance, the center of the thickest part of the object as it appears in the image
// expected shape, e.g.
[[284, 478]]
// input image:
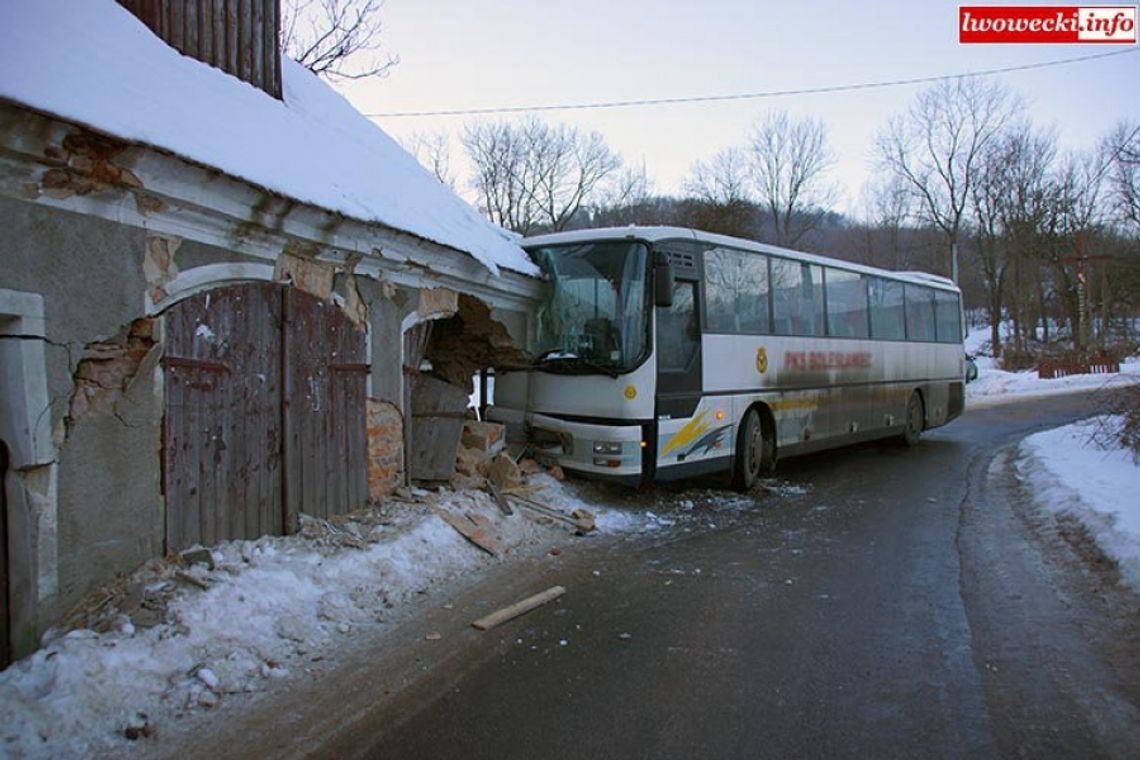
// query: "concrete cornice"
[[168, 195]]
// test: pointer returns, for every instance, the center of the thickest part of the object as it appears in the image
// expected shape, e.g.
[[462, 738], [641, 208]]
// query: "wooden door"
[[265, 413], [222, 456], [326, 373]]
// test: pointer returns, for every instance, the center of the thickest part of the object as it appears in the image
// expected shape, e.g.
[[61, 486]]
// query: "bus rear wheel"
[[915, 420], [753, 455]]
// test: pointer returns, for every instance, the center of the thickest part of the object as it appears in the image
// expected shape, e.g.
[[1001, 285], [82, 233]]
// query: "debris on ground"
[[502, 471], [581, 520], [487, 437], [587, 521], [476, 528], [196, 555], [197, 631], [500, 500], [519, 608]]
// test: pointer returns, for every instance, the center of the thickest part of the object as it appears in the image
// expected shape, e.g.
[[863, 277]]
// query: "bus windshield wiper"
[[566, 357]]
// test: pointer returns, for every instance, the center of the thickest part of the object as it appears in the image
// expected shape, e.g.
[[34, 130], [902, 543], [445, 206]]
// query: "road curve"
[[908, 603]]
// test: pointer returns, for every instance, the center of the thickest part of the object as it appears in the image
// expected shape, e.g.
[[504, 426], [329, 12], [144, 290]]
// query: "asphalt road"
[[906, 603]]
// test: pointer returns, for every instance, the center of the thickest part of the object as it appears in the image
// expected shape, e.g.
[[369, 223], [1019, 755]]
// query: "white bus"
[[664, 353]]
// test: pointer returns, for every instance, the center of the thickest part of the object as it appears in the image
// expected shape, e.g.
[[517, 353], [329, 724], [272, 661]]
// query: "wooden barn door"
[[326, 371], [265, 413], [222, 455]]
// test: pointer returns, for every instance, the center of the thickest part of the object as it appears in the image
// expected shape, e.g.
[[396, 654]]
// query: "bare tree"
[[1079, 214], [536, 175], [937, 145], [335, 39], [1015, 203], [889, 206], [987, 196], [720, 188], [1122, 152], [498, 158], [433, 151], [790, 160], [724, 179], [625, 194]]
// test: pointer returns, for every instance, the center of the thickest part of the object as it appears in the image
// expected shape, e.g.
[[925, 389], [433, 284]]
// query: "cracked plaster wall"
[[106, 483]]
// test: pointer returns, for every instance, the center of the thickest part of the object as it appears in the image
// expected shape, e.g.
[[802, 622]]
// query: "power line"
[[750, 95]]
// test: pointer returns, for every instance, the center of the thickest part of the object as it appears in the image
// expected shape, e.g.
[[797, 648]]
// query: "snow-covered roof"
[[92, 62]]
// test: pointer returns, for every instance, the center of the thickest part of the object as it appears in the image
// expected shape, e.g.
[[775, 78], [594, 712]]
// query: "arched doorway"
[[265, 413]]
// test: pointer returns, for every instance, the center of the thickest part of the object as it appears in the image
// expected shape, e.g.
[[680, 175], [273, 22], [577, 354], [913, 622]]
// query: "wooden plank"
[[477, 533], [256, 41], [437, 423], [191, 42], [205, 31], [245, 33], [497, 495], [519, 608], [272, 54], [218, 34], [583, 525]]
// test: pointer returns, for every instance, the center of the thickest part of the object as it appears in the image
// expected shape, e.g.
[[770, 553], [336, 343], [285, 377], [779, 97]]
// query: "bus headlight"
[[607, 447]]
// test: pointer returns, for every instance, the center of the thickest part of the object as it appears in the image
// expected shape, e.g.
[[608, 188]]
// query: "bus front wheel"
[[915, 420], [752, 456]]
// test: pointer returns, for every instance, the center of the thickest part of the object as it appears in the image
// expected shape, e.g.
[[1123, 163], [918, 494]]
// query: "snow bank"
[[92, 62], [996, 386], [1070, 474], [269, 606]]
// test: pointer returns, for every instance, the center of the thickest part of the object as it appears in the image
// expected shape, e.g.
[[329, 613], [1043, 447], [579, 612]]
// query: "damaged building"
[[217, 287]]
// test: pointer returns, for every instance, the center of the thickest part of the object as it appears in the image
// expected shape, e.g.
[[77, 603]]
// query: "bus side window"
[[846, 304], [736, 288], [948, 319], [919, 313]]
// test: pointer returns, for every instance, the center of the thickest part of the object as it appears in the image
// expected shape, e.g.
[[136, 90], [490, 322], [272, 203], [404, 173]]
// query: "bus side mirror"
[[662, 280]]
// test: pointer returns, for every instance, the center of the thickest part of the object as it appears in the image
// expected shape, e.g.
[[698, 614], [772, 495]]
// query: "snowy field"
[[1072, 473]]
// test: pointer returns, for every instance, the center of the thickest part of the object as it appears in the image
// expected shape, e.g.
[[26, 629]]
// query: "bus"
[[663, 353]]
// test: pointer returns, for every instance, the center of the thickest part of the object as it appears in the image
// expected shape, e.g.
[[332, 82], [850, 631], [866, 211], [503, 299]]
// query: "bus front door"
[[678, 370]]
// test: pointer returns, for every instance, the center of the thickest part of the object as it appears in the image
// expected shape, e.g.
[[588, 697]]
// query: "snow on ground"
[[1072, 474], [995, 386], [92, 62], [268, 605]]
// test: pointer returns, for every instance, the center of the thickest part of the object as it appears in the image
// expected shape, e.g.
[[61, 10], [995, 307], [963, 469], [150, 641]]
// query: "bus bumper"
[[599, 451]]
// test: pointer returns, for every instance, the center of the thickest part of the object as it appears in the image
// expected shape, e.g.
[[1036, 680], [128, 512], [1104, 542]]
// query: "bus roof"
[[660, 234]]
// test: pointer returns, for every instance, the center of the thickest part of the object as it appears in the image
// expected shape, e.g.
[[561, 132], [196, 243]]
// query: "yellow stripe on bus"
[[794, 403], [687, 434]]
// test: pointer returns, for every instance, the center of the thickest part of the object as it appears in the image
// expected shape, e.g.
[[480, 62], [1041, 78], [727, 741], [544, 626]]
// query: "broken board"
[[475, 528], [519, 608]]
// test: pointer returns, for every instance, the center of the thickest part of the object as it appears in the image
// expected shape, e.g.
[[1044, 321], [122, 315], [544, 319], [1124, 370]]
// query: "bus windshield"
[[594, 316]]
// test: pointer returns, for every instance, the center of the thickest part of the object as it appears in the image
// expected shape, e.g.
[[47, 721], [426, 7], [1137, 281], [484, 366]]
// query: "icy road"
[[882, 602], [907, 604]]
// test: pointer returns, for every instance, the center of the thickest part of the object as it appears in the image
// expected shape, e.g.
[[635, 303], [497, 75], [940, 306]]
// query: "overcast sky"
[[457, 54]]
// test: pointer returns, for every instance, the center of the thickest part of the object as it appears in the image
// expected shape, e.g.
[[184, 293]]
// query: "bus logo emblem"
[[761, 360]]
